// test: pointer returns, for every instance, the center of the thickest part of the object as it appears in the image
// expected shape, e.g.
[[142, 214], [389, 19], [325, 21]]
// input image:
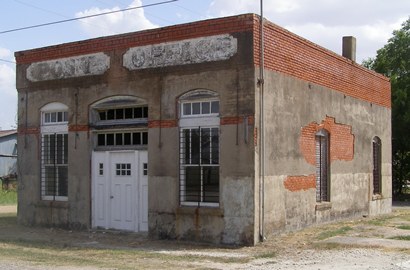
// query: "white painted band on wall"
[[189, 51], [79, 66]]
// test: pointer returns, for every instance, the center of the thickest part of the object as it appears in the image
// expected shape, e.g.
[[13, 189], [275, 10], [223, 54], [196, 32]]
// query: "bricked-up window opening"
[[322, 166], [199, 159], [54, 169], [377, 165]]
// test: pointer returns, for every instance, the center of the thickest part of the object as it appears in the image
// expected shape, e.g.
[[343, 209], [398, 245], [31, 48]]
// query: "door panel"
[[120, 190]]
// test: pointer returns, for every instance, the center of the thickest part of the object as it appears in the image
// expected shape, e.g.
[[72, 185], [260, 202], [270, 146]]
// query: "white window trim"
[[210, 120], [52, 128]]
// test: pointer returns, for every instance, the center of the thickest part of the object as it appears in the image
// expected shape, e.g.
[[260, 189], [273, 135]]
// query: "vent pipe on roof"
[[349, 48]]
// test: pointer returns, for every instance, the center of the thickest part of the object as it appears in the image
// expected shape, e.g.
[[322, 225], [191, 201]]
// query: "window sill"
[[323, 206], [376, 197], [203, 210]]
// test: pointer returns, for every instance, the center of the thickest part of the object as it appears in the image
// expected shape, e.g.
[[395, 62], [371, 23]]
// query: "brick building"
[[176, 131]]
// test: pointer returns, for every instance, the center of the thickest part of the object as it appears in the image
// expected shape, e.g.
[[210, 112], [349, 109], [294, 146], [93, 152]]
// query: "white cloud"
[[120, 22], [8, 92], [325, 22]]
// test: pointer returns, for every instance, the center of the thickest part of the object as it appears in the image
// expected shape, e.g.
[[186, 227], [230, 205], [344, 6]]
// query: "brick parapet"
[[234, 24]]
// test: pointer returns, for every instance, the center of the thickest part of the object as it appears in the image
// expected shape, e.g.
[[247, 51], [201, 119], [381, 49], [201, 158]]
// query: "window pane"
[[110, 139], [128, 113], [110, 114], [145, 112], [206, 108], [47, 118], [196, 108], [53, 117], [119, 114], [192, 184], [62, 181], [186, 147], [138, 112], [186, 108], [52, 149], [205, 145], [127, 138], [65, 116], [60, 117], [215, 107], [210, 180], [60, 149], [49, 180], [144, 138], [215, 145], [101, 140], [118, 139], [103, 116], [136, 138], [195, 146], [65, 159]]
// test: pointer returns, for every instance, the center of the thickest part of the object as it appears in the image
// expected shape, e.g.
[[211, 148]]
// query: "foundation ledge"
[[322, 206], [206, 211]]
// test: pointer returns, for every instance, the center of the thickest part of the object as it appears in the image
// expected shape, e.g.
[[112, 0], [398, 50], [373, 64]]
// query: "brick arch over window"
[[377, 165]]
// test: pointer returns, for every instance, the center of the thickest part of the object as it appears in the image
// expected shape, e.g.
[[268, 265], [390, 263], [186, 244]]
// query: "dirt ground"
[[352, 244]]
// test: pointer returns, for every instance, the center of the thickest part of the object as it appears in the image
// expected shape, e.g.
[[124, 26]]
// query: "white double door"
[[120, 190]]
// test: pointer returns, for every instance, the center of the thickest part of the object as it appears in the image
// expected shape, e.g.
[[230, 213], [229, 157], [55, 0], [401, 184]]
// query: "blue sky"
[[321, 21]]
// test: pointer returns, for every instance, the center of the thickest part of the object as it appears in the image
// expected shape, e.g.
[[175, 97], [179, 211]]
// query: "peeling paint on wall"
[[298, 183], [85, 65], [341, 140], [189, 51]]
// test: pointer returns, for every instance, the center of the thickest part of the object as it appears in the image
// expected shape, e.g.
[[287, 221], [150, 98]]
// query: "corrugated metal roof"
[[4, 133]]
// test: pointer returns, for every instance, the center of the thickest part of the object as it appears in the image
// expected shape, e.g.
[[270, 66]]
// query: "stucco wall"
[[291, 107]]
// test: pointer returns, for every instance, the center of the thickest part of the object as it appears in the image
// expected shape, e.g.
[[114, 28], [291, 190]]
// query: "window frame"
[[322, 157], [200, 122], [48, 129], [377, 165]]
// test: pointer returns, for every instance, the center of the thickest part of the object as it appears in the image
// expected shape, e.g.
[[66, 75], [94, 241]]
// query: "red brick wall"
[[242, 23], [290, 54], [298, 183], [341, 140]]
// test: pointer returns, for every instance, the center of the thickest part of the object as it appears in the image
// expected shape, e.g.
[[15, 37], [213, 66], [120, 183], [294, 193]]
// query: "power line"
[[86, 17], [7, 61]]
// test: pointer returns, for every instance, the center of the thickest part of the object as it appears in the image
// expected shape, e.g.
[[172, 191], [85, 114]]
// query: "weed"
[[266, 255], [404, 227], [8, 197], [401, 237], [328, 234]]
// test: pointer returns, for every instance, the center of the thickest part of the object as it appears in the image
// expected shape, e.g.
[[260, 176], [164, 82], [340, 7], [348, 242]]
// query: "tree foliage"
[[393, 60]]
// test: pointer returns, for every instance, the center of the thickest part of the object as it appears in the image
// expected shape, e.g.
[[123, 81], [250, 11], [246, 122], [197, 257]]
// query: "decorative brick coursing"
[[78, 128], [29, 130], [162, 123], [233, 120], [341, 140], [298, 183]]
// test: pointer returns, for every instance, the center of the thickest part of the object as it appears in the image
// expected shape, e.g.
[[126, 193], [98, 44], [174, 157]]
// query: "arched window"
[[377, 165], [199, 148], [54, 151], [322, 166]]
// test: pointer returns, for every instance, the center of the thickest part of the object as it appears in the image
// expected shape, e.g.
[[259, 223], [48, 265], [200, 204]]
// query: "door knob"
[[111, 197]]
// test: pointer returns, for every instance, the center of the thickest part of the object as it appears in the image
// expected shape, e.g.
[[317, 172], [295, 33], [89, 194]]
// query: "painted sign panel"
[[190, 51], [79, 66]]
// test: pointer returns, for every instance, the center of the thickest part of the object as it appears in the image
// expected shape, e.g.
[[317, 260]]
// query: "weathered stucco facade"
[[197, 85]]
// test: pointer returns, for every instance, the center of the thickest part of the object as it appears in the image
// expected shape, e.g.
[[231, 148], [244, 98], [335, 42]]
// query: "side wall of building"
[[308, 88]]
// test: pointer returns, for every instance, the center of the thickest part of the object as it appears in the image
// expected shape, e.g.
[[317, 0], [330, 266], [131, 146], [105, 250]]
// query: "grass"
[[332, 233], [401, 237], [8, 197], [404, 227]]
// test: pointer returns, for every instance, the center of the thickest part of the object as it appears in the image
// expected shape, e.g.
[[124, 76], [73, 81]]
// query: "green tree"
[[393, 60]]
